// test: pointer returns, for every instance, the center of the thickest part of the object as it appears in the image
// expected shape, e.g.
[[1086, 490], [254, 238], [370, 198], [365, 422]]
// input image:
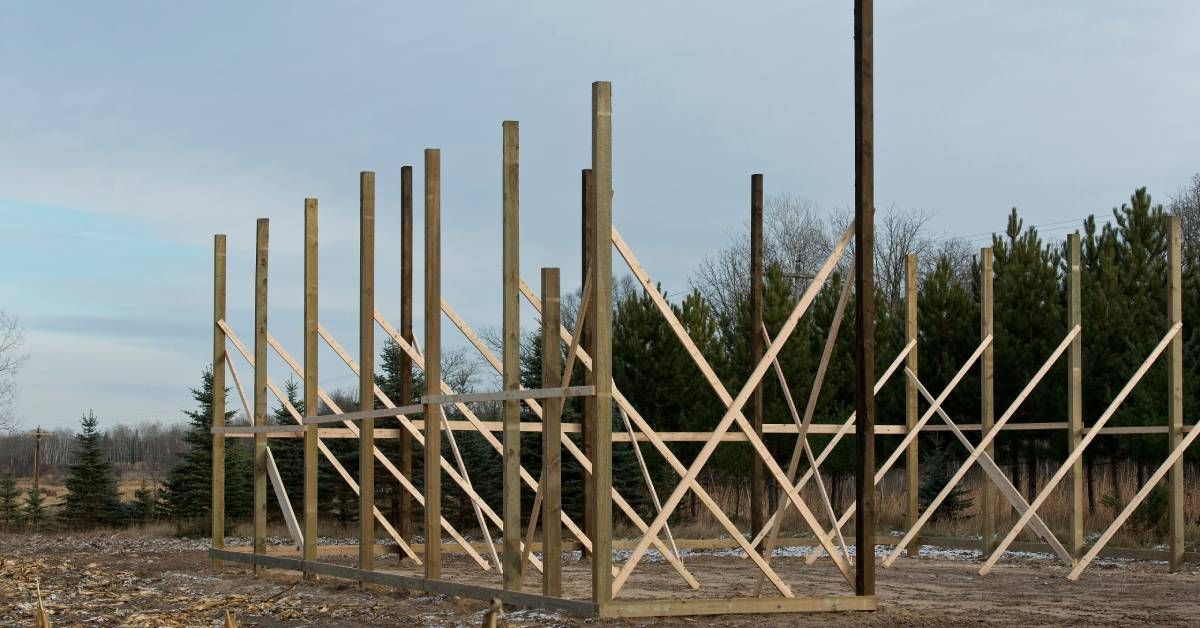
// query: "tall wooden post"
[[912, 461], [406, 331], [987, 411], [758, 487], [260, 388], [433, 364], [366, 370], [864, 284], [310, 379], [1075, 391], [1175, 388], [512, 355], [601, 315], [588, 344], [551, 482], [218, 398]]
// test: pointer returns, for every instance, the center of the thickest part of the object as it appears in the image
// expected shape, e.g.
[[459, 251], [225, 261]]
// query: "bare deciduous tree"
[[1186, 204], [12, 340]]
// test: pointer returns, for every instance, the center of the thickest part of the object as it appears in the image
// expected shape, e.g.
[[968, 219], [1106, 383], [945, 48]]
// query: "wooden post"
[[218, 399], [260, 388], [366, 370], [406, 331], [311, 383], [1075, 391], [758, 485], [912, 461], [987, 412], [433, 364], [864, 306], [1175, 388], [588, 344], [600, 251], [551, 482], [511, 355]]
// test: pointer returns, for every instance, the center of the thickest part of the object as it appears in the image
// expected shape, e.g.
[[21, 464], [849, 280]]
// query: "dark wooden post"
[[260, 388], [406, 331], [757, 480], [433, 366], [366, 370], [1075, 390], [1175, 479], [551, 482], [512, 356], [601, 258], [987, 405], [912, 462], [587, 343], [218, 399]]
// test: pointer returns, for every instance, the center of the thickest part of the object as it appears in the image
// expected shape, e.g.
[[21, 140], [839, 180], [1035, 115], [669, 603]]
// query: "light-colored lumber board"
[[285, 504], [987, 416], [219, 359], [363, 414], [1176, 483], [433, 357], [260, 385], [551, 482], [366, 376], [912, 456], [1075, 389], [268, 430], [600, 255], [511, 353], [1076, 453], [311, 471], [241, 390], [518, 394]]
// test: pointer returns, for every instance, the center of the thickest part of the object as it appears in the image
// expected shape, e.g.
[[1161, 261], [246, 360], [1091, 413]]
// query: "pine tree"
[[34, 514], [936, 470], [188, 490], [92, 498], [144, 507], [10, 507], [288, 452]]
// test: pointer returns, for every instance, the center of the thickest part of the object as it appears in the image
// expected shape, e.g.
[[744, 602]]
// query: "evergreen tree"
[[144, 507], [34, 514], [92, 498], [936, 470], [10, 507], [288, 452], [188, 490]]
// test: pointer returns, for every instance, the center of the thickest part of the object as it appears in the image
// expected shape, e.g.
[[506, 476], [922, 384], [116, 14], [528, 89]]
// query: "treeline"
[[150, 445]]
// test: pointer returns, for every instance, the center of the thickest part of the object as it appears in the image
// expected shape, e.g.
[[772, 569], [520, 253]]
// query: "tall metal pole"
[[864, 284]]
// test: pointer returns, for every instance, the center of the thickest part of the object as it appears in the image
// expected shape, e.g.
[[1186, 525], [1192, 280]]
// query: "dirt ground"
[[112, 580]]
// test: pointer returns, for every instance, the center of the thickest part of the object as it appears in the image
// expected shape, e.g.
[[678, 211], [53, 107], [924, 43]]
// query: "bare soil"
[[124, 579]]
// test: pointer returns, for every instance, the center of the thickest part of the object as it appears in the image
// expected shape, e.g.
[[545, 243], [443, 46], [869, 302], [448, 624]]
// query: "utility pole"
[[37, 456]]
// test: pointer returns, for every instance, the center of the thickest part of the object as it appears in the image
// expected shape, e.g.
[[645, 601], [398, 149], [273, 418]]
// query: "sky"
[[131, 132]]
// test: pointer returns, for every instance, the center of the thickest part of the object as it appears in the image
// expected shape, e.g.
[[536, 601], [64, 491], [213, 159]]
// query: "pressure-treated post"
[[218, 398], [1175, 388], [510, 269], [587, 343], [864, 288], [1075, 391], [601, 315], [406, 331], [260, 388], [987, 416], [366, 370], [757, 482], [310, 378], [912, 461], [551, 482], [433, 365]]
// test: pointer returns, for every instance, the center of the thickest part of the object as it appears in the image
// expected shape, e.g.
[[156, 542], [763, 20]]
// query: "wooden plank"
[[586, 340], [600, 254], [516, 394], [406, 330], [1176, 483], [366, 374], [551, 482], [269, 430], [987, 410], [433, 357], [363, 414], [260, 385], [1075, 390], [311, 360], [864, 286], [219, 359], [511, 353], [912, 460], [285, 504], [737, 605], [758, 484], [1075, 454]]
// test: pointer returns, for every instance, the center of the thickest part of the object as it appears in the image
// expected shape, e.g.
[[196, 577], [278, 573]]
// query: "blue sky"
[[130, 132]]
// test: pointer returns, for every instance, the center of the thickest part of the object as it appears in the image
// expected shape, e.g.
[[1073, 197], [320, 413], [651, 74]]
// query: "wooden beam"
[[260, 385], [987, 416], [516, 394], [511, 377], [588, 345], [864, 287], [268, 430], [551, 482], [1075, 391], [758, 484], [738, 605], [912, 460], [600, 254], [310, 379], [433, 356], [339, 417], [219, 360], [1176, 482], [366, 373], [406, 330], [285, 504]]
